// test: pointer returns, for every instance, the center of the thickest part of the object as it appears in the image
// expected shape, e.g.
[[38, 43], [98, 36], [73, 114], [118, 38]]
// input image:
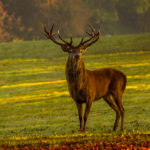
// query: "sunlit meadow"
[[34, 99]]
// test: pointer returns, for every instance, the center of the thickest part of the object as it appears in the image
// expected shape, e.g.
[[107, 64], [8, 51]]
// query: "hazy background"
[[24, 19]]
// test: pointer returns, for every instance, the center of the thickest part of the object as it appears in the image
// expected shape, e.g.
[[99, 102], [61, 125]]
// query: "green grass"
[[45, 110]]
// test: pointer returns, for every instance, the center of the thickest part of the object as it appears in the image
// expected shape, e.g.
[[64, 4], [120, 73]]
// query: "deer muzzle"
[[77, 56]]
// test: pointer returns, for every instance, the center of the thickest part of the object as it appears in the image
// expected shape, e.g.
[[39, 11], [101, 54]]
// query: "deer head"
[[74, 51]]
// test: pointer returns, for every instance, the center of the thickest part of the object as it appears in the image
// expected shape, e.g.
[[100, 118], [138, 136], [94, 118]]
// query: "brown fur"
[[86, 86]]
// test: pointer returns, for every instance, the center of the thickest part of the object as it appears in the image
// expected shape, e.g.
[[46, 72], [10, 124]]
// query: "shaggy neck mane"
[[75, 72]]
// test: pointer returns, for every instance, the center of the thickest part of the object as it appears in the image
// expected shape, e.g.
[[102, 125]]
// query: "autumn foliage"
[[25, 19], [4, 17], [85, 142]]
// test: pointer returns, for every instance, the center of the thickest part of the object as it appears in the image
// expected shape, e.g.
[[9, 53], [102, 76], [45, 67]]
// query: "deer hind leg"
[[80, 112], [118, 100], [87, 110], [110, 100], [122, 116]]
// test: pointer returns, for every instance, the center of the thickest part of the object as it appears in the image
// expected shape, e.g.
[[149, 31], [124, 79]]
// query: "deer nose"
[[77, 56]]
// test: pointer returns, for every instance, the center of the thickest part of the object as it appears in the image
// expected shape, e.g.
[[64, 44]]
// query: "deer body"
[[86, 86]]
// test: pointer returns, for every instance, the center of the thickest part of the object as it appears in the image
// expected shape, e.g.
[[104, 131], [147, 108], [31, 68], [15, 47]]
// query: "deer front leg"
[[80, 112], [87, 110]]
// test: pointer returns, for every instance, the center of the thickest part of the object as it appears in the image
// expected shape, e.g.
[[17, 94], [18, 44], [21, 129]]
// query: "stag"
[[86, 86]]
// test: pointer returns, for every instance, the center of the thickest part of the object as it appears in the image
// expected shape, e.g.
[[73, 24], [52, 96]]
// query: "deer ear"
[[82, 50]]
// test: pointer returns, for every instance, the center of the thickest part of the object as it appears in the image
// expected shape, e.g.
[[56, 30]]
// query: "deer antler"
[[93, 38], [50, 35], [68, 43], [65, 45]]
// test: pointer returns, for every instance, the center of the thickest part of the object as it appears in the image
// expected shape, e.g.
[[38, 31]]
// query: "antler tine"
[[46, 32], [81, 40], [91, 27], [99, 31], [63, 39], [51, 31], [50, 35], [89, 33], [96, 38], [70, 41], [82, 43], [93, 38]]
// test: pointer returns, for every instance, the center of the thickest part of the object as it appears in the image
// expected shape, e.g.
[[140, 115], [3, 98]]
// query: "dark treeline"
[[24, 19]]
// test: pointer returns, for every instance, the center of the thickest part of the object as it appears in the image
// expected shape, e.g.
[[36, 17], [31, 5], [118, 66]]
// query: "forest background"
[[24, 19]]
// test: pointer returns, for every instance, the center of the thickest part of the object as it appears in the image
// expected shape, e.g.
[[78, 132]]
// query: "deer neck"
[[75, 72]]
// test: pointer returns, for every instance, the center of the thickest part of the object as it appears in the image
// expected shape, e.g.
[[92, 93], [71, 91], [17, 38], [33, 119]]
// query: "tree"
[[104, 14], [28, 14], [5, 23], [131, 15], [24, 19], [71, 18]]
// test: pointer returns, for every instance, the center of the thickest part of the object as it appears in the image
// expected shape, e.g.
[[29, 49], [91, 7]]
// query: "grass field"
[[34, 99]]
